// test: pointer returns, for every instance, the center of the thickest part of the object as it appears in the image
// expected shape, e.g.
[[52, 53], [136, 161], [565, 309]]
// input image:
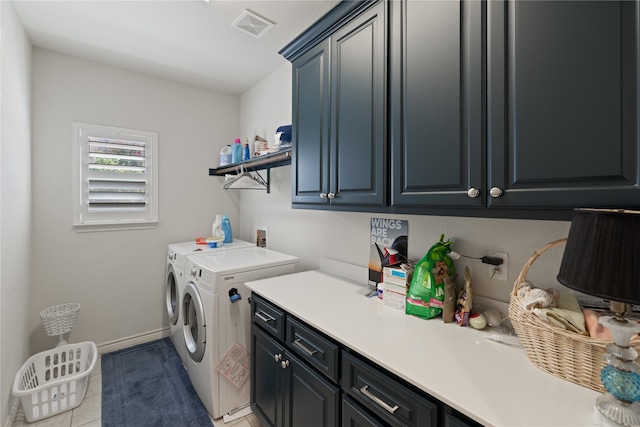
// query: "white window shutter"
[[115, 179]]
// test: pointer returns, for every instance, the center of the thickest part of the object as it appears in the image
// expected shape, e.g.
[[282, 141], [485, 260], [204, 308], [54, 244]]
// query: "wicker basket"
[[59, 319], [568, 355]]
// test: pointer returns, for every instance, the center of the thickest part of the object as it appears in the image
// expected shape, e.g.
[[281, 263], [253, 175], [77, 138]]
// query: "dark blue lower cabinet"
[[286, 392]]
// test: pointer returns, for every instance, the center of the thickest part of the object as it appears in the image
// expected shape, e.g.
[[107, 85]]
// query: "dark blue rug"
[[147, 385]]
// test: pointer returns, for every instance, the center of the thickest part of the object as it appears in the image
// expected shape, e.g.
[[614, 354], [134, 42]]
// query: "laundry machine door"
[[172, 295], [194, 326]]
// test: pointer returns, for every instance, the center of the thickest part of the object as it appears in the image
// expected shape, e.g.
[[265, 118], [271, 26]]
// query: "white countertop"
[[490, 382]]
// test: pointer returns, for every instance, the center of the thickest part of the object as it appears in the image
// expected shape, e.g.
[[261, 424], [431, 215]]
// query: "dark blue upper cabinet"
[[523, 109], [339, 119], [437, 103], [563, 92]]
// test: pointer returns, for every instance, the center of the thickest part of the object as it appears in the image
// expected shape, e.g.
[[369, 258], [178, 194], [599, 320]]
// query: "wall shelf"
[[264, 162]]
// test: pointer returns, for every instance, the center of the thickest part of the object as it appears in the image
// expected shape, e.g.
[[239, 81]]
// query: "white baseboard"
[[126, 342], [15, 405]]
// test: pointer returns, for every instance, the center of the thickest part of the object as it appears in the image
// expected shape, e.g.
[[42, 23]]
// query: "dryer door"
[[194, 328], [172, 295]]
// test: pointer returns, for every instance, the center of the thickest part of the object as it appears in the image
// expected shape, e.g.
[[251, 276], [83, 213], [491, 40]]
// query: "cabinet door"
[[563, 103], [358, 160], [437, 103], [310, 400], [266, 378], [310, 127]]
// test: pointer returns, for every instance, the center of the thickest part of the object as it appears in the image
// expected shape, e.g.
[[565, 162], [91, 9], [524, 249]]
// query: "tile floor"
[[89, 413]]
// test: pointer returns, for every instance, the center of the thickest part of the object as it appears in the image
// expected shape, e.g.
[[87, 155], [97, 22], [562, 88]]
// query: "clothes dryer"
[[174, 274], [217, 319]]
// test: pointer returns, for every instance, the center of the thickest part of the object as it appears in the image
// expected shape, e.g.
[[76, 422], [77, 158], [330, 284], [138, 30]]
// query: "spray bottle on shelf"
[[226, 229], [246, 151]]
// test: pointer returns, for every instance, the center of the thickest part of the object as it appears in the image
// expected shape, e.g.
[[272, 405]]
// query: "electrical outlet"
[[502, 270], [261, 236]]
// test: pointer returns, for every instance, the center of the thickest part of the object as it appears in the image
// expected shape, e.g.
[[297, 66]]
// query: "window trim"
[[82, 221]]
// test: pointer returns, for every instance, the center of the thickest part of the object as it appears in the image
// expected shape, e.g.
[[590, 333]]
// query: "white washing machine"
[[216, 319], [174, 268]]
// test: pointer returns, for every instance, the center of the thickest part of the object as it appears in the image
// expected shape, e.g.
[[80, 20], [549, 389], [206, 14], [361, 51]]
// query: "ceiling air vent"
[[253, 24]]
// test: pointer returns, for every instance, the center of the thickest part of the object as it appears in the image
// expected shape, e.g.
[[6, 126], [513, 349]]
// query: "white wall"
[[15, 199], [345, 236], [117, 276]]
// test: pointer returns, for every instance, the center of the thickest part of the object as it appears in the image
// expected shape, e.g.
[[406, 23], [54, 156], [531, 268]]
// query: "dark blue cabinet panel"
[[310, 162], [339, 123], [437, 100], [563, 104]]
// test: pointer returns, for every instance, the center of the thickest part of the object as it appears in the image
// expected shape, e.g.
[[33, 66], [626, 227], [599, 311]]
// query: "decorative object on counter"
[[236, 153], [388, 240], [225, 155], [449, 304], [478, 321], [425, 298], [601, 259], [465, 300], [567, 355]]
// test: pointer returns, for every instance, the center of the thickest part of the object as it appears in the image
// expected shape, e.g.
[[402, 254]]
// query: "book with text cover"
[[389, 242]]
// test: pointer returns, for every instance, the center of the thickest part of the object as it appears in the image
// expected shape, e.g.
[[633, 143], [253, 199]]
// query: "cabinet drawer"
[[313, 348], [354, 416], [385, 396], [268, 316]]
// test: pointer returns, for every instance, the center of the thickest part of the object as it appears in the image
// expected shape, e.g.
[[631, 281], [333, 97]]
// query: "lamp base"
[[616, 412]]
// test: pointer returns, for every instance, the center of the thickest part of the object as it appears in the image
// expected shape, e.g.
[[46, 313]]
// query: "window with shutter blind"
[[115, 185]]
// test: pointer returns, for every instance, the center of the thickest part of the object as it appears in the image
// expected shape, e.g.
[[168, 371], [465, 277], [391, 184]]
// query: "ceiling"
[[191, 41]]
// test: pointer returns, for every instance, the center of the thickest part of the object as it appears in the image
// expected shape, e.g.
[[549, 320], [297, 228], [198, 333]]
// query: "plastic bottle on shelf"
[[226, 229], [236, 154], [246, 151], [225, 155]]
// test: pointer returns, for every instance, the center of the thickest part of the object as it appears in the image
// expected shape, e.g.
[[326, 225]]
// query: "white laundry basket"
[[55, 380]]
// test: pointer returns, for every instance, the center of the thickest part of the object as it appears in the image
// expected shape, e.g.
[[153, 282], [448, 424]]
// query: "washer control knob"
[[194, 271], [473, 192], [495, 192]]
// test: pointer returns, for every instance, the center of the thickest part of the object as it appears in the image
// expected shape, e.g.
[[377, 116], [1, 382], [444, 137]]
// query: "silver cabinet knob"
[[495, 192], [473, 192], [323, 195], [284, 364], [277, 357], [332, 195]]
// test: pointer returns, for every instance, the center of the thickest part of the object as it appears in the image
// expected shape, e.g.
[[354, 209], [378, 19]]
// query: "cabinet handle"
[[307, 350], [264, 317], [323, 195], [277, 357], [331, 195], [495, 192], [385, 406], [473, 192], [284, 364]]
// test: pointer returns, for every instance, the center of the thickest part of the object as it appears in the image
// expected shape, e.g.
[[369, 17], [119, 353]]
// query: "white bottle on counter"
[[216, 229]]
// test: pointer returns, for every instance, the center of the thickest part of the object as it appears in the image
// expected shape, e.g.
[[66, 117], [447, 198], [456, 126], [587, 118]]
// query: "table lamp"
[[602, 258]]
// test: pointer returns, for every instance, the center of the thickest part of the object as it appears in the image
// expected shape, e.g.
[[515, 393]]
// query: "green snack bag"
[[425, 298]]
